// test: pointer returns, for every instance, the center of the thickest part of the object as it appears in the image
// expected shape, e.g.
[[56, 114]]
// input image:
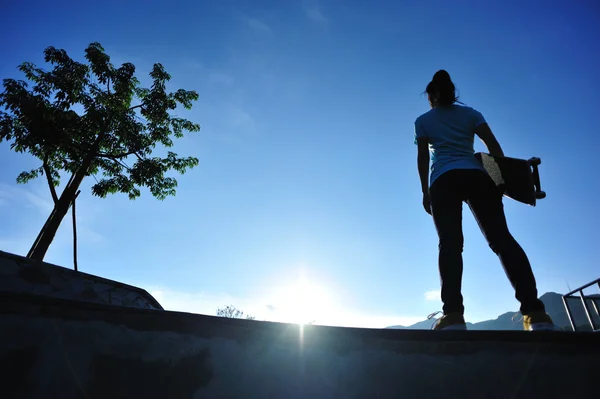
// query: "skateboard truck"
[[534, 163]]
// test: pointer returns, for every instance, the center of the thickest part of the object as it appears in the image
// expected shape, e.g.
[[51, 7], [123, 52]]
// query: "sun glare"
[[303, 302]]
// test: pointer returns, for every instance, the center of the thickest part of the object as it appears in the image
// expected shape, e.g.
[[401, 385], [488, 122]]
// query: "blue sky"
[[306, 204]]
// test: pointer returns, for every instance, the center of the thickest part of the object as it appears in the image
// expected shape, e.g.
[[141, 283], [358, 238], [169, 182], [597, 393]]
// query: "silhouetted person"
[[448, 131]]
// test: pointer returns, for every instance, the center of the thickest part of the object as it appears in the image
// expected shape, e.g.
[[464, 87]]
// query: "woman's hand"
[[427, 203]]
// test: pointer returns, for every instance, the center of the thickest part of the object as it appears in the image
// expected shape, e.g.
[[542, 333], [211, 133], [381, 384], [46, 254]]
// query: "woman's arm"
[[423, 166], [485, 134], [423, 163]]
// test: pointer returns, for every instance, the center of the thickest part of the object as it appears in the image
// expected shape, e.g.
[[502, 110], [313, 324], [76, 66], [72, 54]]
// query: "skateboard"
[[518, 179]]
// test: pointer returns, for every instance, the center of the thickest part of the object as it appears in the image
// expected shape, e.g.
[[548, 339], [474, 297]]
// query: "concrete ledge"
[[23, 275], [70, 349]]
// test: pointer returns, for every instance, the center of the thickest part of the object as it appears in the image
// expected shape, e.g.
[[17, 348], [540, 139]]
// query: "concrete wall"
[[52, 348], [23, 275]]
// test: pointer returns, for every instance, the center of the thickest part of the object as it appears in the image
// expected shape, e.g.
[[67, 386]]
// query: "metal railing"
[[584, 300]]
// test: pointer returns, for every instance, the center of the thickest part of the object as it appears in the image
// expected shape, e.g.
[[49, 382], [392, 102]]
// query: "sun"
[[303, 302]]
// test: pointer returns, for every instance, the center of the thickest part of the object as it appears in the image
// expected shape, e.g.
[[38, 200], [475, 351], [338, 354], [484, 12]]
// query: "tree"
[[233, 313], [85, 118]]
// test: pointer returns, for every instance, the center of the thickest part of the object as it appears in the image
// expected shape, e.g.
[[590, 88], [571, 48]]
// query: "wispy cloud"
[[4, 198], [433, 295], [192, 64], [221, 78], [44, 205], [315, 13], [235, 116], [229, 122], [258, 26], [16, 245], [27, 197], [240, 118], [33, 197], [90, 236]]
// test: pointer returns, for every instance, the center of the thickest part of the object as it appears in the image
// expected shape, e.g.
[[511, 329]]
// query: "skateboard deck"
[[518, 179]]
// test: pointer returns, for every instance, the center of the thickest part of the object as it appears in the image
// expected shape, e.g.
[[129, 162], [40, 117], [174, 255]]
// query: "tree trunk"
[[48, 232]]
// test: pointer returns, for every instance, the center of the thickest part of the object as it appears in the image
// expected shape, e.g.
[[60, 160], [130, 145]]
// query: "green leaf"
[[25, 177], [117, 126]]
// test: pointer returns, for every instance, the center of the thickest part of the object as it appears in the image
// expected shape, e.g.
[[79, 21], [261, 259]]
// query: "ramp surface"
[[27, 276], [57, 348]]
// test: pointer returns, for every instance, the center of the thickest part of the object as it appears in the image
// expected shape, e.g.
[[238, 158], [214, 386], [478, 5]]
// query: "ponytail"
[[441, 90]]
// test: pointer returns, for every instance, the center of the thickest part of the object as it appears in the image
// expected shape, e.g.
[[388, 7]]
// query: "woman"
[[448, 130]]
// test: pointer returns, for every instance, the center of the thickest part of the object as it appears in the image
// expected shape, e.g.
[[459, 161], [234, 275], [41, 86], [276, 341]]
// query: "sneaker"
[[538, 321], [450, 321]]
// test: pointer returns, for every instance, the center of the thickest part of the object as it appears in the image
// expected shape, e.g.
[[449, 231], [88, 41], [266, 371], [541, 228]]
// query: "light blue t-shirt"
[[450, 132]]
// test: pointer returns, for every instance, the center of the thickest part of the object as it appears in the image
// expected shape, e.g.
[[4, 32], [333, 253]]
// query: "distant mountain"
[[554, 307]]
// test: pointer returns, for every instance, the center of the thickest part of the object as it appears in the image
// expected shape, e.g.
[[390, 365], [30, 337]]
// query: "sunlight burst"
[[304, 302]]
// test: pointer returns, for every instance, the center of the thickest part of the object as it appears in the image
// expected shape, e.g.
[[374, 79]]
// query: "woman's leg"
[[485, 202], [446, 209]]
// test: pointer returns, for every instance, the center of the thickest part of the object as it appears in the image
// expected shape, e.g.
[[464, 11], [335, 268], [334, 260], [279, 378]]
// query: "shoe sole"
[[542, 327]]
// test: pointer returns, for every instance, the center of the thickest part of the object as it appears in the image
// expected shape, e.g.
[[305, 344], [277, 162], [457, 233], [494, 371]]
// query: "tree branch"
[[73, 146], [117, 156], [123, 164], [135, 106], [50, 182], [118, 162]]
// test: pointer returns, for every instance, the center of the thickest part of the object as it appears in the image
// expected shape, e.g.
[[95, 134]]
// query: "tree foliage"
[[42, 120], [93, 118], [233, 313]]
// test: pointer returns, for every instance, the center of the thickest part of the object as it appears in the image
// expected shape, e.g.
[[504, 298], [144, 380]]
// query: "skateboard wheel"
[[540, 195], [535, 161]]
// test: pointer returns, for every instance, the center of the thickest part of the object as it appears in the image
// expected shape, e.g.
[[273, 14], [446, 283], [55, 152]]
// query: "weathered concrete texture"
[[56, 348], [23, 275]]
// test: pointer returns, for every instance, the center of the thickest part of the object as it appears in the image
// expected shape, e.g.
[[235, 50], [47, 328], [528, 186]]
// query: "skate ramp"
[[59, 348], [22, 275]]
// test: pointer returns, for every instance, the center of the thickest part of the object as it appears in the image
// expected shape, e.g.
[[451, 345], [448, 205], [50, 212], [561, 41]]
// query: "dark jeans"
[[478, 190]]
